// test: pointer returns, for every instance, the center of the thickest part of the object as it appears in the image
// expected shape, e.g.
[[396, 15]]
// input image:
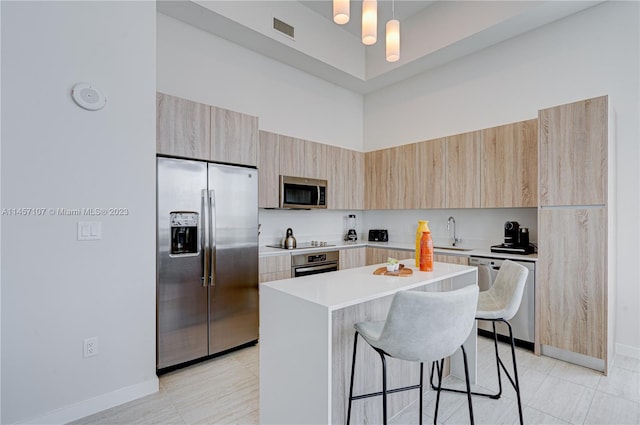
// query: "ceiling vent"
[[283, 27]]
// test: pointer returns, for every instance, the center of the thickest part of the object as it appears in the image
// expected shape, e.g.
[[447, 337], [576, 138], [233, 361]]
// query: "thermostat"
[[88, 97]]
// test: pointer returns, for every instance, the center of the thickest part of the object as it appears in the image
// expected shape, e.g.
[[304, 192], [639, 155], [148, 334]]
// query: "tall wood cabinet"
[[195, 130], [574, 235], [509, 158]]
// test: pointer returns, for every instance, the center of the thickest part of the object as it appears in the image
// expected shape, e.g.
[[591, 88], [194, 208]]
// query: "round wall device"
[[88, 97]]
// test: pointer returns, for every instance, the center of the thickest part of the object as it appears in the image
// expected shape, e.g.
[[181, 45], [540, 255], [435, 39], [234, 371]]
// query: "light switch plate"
[[89, 230]]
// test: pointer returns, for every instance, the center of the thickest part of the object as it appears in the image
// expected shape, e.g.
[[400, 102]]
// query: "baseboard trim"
[[628, 351], [571, 357], [97, 404]]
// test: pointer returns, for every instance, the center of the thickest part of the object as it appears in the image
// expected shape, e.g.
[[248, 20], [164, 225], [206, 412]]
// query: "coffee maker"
[[516, 240], [352, 235]]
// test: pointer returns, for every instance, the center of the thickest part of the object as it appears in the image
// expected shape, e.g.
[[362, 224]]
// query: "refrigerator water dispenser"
[[184, 232]]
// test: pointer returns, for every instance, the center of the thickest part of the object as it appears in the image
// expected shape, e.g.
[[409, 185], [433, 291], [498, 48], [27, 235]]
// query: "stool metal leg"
[[499, 364], [384, 387], [466, 378], [353, 368], [421, 389]]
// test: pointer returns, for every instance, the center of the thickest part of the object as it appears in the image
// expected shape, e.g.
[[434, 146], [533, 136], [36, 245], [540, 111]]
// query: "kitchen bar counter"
[[306, 340]]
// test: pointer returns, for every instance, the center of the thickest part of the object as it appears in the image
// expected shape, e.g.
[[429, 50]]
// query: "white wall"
[[592, 53], [57, 291], [196, 65]]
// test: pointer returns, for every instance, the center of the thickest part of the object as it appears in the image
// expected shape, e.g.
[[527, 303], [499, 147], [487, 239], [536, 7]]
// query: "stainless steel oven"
[[314, 263]]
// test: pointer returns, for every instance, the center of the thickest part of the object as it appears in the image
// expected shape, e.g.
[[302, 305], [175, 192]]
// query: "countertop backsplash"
[[478, 228]]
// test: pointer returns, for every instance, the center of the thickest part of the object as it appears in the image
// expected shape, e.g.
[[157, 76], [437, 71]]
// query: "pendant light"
[[341, 11], [369, 22], [393, 37]]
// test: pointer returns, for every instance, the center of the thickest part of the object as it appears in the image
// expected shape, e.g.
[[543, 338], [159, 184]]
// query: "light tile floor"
[[225, 391]]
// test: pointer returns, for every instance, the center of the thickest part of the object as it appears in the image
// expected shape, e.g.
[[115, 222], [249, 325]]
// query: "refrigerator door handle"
[[212, 237], [205, 238]]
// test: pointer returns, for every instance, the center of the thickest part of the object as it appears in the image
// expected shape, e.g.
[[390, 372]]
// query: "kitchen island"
[[306, 342]]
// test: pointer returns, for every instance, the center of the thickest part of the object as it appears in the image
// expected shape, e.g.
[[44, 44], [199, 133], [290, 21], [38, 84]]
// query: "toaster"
[[378, 235]]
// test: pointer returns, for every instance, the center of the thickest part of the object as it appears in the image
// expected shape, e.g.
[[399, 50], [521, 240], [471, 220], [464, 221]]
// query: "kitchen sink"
[[452, 248]]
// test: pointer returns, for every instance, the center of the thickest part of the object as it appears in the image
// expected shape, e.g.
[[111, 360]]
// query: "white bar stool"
[[499, 304], [420, 327]]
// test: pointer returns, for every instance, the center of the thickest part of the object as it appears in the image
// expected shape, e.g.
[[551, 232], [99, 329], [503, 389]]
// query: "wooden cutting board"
[[404, 271]]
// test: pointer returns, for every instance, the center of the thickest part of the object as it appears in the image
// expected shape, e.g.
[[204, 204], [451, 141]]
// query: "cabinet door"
[[302, 158], [463, 170], [274, 268], [572, 279], [380, 255], [573, 153], [377, 182], [183, 127], [351, 258], [234, 137], [451, 259], [430, 177], [345, 175], [510, 165], [268, 170], [390, 178]]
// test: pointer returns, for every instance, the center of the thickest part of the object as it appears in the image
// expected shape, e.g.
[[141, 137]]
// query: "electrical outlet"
[[91, 347]]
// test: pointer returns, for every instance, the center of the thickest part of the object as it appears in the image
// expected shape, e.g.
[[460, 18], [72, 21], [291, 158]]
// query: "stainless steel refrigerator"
[[207, 259]]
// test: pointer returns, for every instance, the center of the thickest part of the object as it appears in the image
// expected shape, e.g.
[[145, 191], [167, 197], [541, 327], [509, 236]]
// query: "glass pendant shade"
[[369, 22], [341, 11], [393, 40]]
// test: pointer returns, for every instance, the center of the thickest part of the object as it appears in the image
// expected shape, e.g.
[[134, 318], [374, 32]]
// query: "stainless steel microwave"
[[302, 193]]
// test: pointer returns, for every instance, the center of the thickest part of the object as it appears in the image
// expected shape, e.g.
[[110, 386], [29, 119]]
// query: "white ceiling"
[[432, 32]]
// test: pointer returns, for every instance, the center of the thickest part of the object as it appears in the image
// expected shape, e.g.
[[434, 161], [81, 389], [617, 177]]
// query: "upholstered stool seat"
[[420, 327]]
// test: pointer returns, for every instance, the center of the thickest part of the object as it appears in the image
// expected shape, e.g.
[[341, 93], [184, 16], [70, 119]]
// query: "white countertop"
[[482, 252], [343, 288]]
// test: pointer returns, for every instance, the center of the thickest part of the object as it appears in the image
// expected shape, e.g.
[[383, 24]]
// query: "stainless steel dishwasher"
[[523, 323]]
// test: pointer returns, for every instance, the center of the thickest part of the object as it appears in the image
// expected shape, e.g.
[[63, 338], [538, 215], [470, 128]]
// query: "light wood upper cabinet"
[[463, 170], [429, 168], [268, 170], [302, 158], [573, 153], [234, 137], [376, 176], [345, 175], [183, 127], [510, 165], [390, 178]]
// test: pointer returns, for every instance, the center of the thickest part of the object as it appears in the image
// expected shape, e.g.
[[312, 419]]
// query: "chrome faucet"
[[451, 222]]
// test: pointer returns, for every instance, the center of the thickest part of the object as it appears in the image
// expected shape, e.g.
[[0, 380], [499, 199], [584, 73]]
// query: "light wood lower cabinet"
[[380, 255], [451, 259], [352, 258], [274, 268]]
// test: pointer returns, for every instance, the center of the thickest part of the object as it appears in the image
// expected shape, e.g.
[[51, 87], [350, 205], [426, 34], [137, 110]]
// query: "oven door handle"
[[315, 268]]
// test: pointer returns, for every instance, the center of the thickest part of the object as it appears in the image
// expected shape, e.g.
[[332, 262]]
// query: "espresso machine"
[[352, 235]]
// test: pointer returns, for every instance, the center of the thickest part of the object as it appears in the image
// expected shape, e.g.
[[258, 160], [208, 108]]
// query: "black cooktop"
[[303, 245]]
